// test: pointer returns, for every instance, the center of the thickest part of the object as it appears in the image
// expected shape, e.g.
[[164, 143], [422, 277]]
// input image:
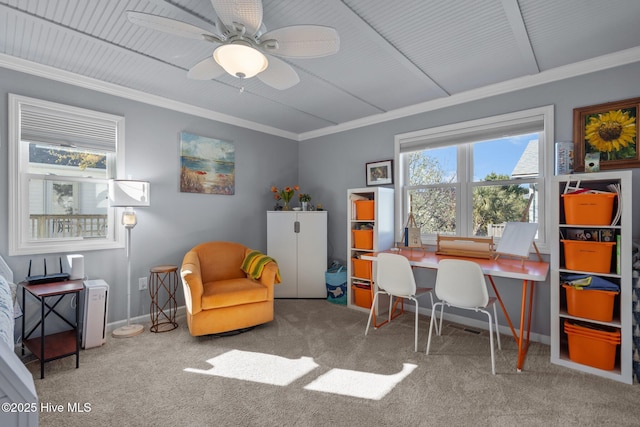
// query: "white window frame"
[[473, 131], [19, 243]]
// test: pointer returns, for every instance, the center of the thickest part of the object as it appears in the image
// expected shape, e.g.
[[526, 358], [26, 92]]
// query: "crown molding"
[[45, 71], [600, 63], [604, 62]]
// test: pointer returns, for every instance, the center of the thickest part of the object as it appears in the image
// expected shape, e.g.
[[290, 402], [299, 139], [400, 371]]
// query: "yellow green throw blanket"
[[254, 263]]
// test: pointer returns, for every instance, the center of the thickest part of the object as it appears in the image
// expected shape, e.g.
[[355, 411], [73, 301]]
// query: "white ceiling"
[[396, 57]]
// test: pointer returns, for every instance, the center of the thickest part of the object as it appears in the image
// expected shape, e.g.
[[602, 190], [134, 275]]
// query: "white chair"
[[461, 284], [394, 277]]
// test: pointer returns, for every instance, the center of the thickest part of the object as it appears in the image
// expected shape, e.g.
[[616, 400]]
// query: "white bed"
[[18, 396]]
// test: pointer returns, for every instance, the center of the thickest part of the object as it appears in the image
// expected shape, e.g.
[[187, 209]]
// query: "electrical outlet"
[[142, 283]]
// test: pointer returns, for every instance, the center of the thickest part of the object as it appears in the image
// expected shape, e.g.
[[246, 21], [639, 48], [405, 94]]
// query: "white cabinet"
[[572, 258], [370, 228], [297, 240]]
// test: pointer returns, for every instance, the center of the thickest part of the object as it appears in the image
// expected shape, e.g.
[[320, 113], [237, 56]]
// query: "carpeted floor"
[[313, 366]]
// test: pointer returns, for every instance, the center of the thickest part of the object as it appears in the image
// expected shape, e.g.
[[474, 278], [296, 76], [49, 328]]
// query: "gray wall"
[[335, 163], [175, 221], [325, 167]]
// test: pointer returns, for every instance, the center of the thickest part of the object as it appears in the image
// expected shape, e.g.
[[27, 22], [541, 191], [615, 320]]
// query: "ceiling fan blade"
[[206, 69], [245, 12], [168, 25], [279, 74], [302, 41]]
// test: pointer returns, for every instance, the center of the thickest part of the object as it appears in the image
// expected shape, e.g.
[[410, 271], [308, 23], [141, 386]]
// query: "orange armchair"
[[219, 295]]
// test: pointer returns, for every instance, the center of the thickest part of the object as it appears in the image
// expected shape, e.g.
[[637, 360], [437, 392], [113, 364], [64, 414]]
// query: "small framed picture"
[[380, 173]]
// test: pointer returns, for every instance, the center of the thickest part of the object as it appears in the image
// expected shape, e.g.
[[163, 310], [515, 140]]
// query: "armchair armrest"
[[192, 282], [261, 268], [268, 277]]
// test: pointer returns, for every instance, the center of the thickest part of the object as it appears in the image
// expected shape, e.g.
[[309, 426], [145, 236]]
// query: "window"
[[61, 159], [469, 179]]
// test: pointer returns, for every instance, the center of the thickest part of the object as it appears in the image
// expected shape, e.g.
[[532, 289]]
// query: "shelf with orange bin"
[[370, 229], [362, 295], [594, 257], [588, 208], [591, 329], [361, 268], [365, 210], [592, 346], [363, 239], [591, 304]]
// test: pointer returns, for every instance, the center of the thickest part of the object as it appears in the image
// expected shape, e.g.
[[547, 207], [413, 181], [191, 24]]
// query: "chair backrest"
[[220, 260], [461, 283], [394, 274]]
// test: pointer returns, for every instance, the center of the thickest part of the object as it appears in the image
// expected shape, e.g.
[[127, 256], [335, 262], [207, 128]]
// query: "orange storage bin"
[[588, 209], [593, 304], [365, 210], [361, 268], [592, 347], [362, 239], [361, 296], [594, 257]]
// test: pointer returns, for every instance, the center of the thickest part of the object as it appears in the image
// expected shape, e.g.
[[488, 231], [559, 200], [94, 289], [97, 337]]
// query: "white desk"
[[529, 272]]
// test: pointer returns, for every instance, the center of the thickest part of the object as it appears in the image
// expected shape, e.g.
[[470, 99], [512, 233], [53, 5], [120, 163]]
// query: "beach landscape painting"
[[207, 165]]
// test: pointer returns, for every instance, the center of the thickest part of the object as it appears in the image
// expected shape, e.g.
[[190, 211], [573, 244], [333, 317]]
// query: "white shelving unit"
[[624, 231], [382, 229]]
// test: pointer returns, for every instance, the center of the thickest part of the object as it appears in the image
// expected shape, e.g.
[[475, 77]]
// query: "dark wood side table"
[[163, 277], [62, 344]]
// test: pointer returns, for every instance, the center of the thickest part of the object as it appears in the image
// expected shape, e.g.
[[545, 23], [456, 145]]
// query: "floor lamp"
[[128, 194]]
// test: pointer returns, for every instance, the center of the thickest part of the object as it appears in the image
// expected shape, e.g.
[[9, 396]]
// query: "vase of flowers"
[[285, 195], [304, 201]]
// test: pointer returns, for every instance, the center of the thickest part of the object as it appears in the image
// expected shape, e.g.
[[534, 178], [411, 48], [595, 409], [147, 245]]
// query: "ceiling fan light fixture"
[[240, 60]]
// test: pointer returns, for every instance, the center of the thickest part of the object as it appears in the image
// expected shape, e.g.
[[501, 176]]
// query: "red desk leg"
[[525, 315], [523, 346]]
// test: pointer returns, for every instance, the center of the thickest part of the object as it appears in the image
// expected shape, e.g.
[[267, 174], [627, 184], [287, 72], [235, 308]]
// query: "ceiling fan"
[[245, 47]]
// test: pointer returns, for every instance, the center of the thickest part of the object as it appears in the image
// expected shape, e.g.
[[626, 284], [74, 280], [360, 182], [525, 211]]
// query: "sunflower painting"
[[610, 130]]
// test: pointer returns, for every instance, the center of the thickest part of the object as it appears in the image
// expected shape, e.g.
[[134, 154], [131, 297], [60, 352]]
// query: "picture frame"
[[610, 129], [207, 165], [379, 173]]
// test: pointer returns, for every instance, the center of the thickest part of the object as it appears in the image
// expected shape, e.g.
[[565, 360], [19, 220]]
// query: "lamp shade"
[[240, 60], [128, 193]]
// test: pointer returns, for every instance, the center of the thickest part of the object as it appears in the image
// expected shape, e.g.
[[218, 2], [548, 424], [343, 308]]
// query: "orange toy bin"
[[361, 268], [594, 257], [588, 209], [362, 239], [362, 296], [593, 304], [365, 210], [592, 347]]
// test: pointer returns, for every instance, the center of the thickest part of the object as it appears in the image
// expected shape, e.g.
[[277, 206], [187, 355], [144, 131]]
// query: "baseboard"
[[143, 319], [481, 324]]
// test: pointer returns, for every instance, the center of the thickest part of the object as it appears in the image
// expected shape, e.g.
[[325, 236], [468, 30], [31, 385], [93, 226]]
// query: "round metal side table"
[[163, 317]]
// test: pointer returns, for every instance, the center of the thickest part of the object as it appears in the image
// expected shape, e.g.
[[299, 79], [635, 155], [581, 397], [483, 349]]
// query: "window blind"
[[67, 127], [454, 135]]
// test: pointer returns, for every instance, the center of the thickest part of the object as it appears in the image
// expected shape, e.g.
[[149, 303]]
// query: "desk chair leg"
[[493, 361], [439, 330], [433, 319], [495, 316], [373, 304], [435, 313], [416, 325]]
